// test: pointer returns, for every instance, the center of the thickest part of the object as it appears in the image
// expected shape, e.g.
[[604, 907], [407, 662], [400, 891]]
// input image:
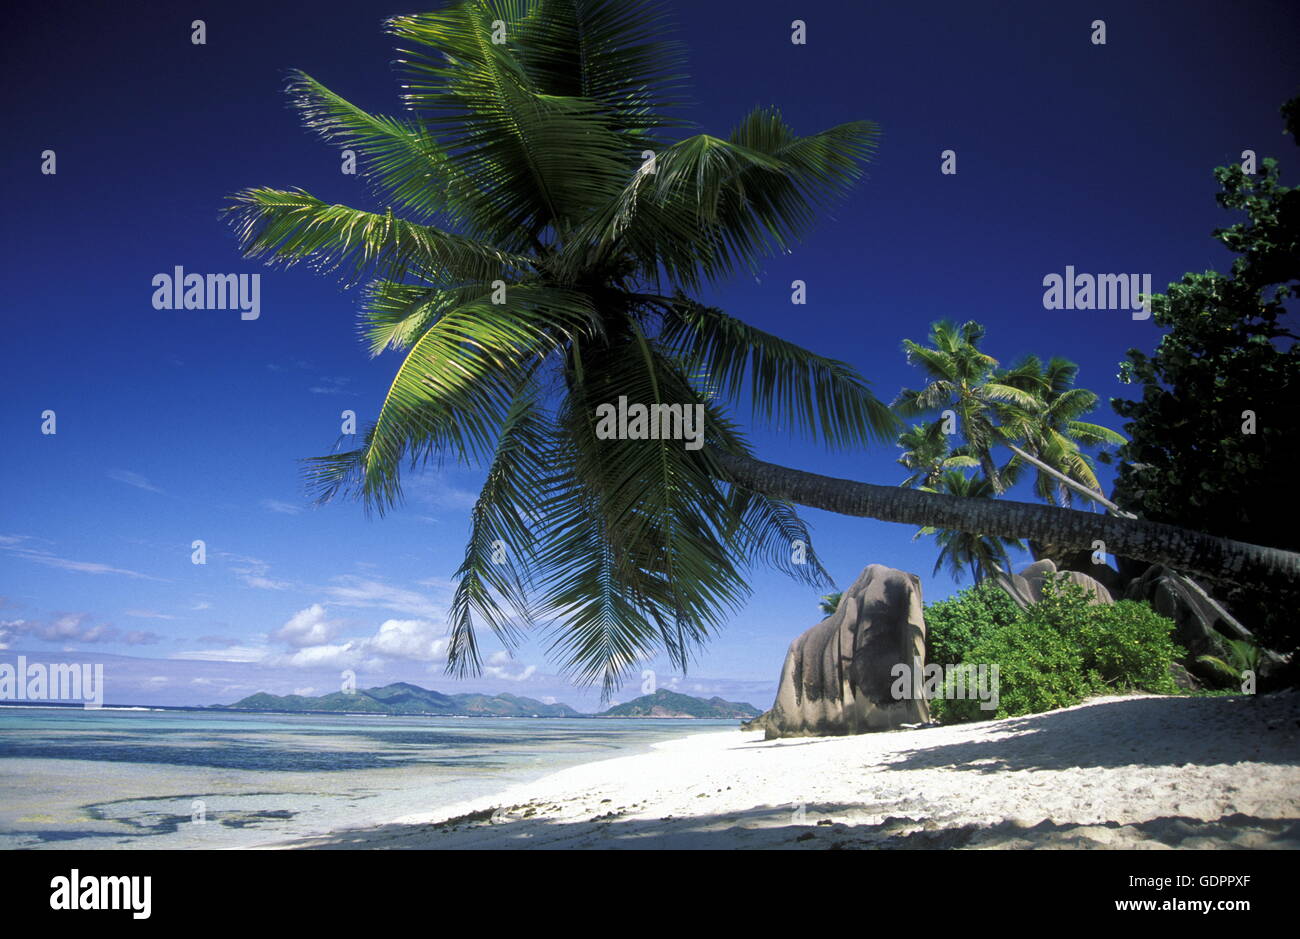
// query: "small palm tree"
[[926, 453], [1243, 656], [830, 603], [961, 378], [982, 555]]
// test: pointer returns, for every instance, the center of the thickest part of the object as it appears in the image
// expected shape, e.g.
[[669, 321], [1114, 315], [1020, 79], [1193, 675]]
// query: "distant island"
[[664, 703], [404, 698]]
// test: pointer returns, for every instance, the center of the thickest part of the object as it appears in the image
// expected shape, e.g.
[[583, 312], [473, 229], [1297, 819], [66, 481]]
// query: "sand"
[[1116, 772]]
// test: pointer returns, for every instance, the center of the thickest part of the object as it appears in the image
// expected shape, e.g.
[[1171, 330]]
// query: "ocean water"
[[72, 778]]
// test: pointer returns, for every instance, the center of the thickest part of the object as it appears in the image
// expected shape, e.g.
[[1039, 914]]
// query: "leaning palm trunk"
[[1153, 542], [1228, 619], [1070, 483]]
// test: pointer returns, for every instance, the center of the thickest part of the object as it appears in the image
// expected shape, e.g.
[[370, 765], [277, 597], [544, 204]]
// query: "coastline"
[[1138, 771]]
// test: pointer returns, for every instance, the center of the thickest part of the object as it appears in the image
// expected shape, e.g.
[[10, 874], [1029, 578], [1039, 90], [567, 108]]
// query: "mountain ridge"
[[405, 698]]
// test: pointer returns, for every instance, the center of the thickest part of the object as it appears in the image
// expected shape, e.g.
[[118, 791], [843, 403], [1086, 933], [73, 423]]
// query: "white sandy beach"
[[1117, 772]]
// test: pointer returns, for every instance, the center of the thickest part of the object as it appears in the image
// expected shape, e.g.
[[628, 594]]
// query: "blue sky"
[[177, 425]]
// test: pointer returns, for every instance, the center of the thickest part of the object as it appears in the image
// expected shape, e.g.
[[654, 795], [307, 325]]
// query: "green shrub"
[[1129, 646], [1053, 654], [952, 626], [1038, 669]]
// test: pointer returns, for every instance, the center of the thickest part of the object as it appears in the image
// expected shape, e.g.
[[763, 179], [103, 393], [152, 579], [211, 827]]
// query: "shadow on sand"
[[1128, 733], [761, 828]]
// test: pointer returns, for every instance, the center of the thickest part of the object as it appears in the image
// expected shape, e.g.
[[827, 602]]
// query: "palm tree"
[[1024, 404], [532, 256], [543, 210], [1048, 425], [961, 378], [927, 454], [829, 603], [983, 555]]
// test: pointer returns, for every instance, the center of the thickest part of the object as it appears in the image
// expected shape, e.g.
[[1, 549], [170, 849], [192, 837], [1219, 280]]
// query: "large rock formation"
[[1026, 588], [837, 676], [1080, 559], [1196, 622]]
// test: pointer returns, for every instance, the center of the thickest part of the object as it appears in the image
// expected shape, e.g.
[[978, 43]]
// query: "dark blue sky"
[[183, 425]]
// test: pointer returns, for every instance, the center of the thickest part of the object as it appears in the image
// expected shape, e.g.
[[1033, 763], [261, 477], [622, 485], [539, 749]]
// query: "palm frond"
[[818, 395], [291, 226]]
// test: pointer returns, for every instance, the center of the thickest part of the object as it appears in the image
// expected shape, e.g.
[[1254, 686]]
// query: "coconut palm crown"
[[543, 221]]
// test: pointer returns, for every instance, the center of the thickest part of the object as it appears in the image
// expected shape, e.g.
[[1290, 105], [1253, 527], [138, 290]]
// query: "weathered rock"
[[1196, 623], [1080, 559], [838, 675], [1183, 678], [1026, 588]]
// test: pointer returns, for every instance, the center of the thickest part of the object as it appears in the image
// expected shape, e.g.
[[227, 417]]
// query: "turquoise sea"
[[118, 778]]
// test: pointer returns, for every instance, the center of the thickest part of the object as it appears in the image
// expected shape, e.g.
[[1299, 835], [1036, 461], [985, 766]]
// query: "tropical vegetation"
[[543, 226], [1214, 421], [1051, 654]]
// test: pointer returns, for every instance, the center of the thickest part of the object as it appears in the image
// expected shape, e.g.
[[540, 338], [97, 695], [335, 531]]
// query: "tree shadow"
[[771, 828], [1137, 732]]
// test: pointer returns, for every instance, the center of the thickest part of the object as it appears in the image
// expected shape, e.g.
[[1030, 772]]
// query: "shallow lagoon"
[[72, 778]]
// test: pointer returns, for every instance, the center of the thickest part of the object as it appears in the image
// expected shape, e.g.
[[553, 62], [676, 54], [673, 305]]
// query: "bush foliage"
[[1051, 655]]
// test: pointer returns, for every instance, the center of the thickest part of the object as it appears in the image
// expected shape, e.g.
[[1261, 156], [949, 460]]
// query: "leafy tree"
[[1228, 352], [1064, 648]]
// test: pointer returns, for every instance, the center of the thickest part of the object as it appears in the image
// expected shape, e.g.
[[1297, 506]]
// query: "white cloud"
[[264, 583], [83, 567], [132, 479], [309, 627], [437, 490], [229, 654], [284, 508], [504, 674], [409, 640], [148, 614], [329, 385], [346, 655], [252, 572], [355, 591], [312, 644]]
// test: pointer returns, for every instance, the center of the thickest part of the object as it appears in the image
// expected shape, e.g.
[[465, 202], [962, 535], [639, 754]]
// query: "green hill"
[[404, 698], [665, 703]]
